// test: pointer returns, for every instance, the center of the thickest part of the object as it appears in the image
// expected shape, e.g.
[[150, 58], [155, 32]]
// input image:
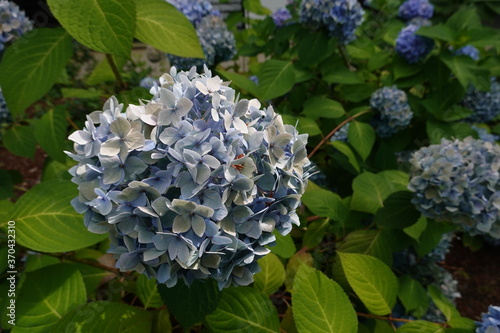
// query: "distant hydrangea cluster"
[[148, 82], [411, 46], [394, 113], [485, 105], [411, 9], [468, 50], [191, 184], [13, 23], [194, 10], [490, 322], [217, 42], [341, 134], [459, 181], [5, 116], [484, 135], [281, 17], [340, 18]]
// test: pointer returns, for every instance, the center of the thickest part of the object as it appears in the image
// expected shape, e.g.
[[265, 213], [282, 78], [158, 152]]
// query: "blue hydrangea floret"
[[341, 134], [411, 9], [485, 105], [13, 23], [490, 321], [393, 111], [411, 46], [459, 181], [281, 17], [340, 18], [194, 10], [468, 50], [5, 116], [191, 184]]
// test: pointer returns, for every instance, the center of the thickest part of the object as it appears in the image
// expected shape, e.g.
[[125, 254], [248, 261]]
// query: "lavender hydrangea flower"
[[281, 16], [13, 23], [485, 105], [491, 321], [459, 181], [148, 82], [411, 46], [416, 8], [196, 197], [340, 18], [194, 10], [468, 50], [217, 42], [394, 113]]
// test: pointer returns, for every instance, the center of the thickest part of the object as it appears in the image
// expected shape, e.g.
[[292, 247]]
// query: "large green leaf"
[[284, 247], [271, 276], [147, 292], [46, 221], [315, 233], [324, 107], [244, 309], [413, 296], [276, 78], [373, 282], [256, 7], [398, 211], [324, 203], [31, 66], [240, 81], [191, 304], [47, 295], [421, 326], [320, 304], [347, 151], [449, 310], [105, 317], [466, 71], [102, 72], [362, 137], [50, 133], [303, 124], [105, 26], [161, 25], [300, 258], [431, 237], [20, 141], [370, 190]]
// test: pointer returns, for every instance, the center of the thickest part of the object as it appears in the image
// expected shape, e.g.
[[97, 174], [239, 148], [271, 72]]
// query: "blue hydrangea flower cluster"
[[194, 10], [13, 23], [411, 9], [340, 18], [148, 82], [459, 181], [217, 42], [468, 50], [341, 134], [485, 105], [281, 17], [411, 46], [485, 135], [394, 113], [491, 321], [191, 184], [5, 116]]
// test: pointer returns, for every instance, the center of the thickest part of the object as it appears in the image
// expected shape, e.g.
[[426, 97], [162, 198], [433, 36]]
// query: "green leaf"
[[161, 25], [324, 107], [415, 230], [105, 26], [81, 93], [398, 212], [103, 72], [437, 130], [56, 170], [431, 237], [31, 66], [438, 31], [403, 69], [161, 322], [347, 151], [296, 261], [314, 48], [92, 276], [466, 71], [285, 247], [47, 295], [379, 60], [465, 19], [105, 317], [254, 6], [271, 276], [324, 203], [240, 81], [320, 304], [361, 136], [6, 186], [20, 141], [448, 309], [303, 124], [420, 326], [276, 78], [191, 304], [243, 309], [50, 133], [315, 233], [373, 282], [46, 221], [5, 208], [146, 290], [341, 74], [370, 190], [413, 295]]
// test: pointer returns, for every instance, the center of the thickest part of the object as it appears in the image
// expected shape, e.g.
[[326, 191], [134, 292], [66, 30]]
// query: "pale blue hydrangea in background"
[[281, 17], [490, 321], [416, 8], [394, 113], [148, 82], [13, 23], [459, 181], [254, 79], [468, 50], [485, 105], [341, 134], [217, 42], [194, 10], [340, 18], [191, 184], [485, 135], [5, 116], [411, 46]]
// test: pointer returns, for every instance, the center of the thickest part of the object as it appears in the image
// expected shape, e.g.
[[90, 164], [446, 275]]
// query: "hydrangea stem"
[[367, 315], [64, 256], [326, 138], [116, 72]]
